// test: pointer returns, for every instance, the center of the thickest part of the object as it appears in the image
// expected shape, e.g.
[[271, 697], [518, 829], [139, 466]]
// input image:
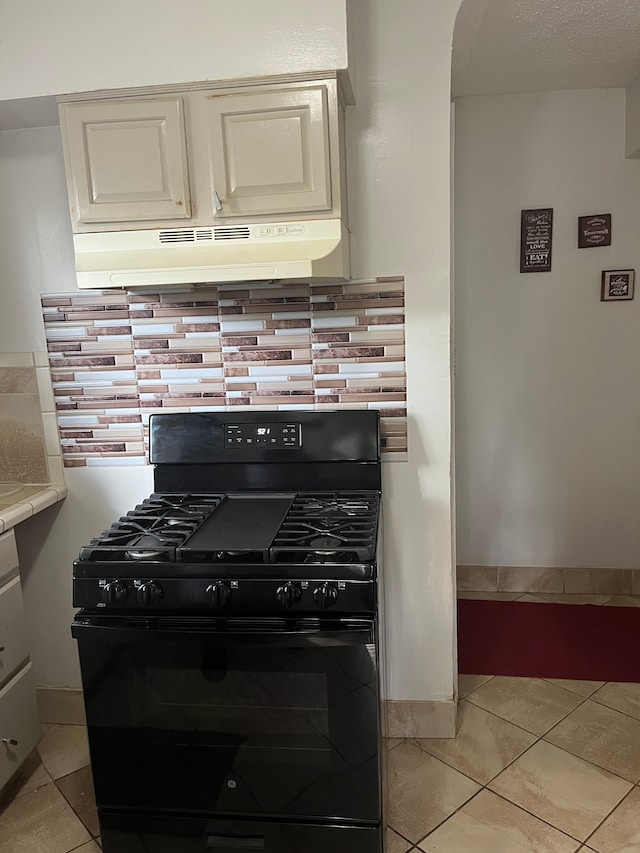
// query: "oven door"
[[255, 719]]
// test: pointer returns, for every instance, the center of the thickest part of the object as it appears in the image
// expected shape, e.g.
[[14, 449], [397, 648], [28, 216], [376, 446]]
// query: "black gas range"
[[228, 640]]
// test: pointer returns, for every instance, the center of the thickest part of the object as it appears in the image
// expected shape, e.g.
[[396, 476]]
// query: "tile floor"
[[538, 766], [50, 808]]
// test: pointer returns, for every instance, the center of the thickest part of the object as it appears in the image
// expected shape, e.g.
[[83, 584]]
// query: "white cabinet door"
[[126, 160], [269, 151], [19, 723], [13, 637]]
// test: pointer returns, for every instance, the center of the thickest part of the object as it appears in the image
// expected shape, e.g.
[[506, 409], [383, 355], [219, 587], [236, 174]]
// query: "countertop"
[[27, 502]]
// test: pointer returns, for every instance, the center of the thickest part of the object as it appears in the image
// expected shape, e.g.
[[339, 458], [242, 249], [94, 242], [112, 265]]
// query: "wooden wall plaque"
[[536, 230]]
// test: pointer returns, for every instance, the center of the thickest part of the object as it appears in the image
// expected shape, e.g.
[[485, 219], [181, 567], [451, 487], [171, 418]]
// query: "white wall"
[[547, 402], [80, 45], [398, 164]]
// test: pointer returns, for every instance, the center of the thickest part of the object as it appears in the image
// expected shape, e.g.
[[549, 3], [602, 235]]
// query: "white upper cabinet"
[[269, 152], [205, 154], [126, 160]]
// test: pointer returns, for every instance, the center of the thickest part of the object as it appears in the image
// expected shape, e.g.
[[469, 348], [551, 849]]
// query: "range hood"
[[315, 249]]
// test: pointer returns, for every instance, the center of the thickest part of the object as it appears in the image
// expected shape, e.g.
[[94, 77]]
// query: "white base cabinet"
[[19, 722]]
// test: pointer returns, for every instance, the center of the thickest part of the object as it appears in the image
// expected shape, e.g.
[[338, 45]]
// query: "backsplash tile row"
[[117, 358]]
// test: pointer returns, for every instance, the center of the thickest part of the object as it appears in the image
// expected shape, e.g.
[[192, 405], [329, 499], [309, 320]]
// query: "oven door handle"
[[361, 635]]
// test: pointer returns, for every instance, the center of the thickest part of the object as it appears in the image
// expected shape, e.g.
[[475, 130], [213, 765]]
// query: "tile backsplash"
[[29, 446], [118, 357]]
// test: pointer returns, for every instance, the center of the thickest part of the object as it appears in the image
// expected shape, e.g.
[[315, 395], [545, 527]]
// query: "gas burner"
[[328, 528], [331, 542], [153, 530]]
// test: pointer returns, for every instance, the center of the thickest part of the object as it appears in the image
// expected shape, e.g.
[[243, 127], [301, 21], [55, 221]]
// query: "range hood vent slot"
[[232, 232], [177, 235]]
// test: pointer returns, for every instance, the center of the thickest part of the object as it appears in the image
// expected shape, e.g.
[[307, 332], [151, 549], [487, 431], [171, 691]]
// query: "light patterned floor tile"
[[488, 824], [582, 688], [394, 843], [63, 749], [77, 789], [32, 775], [91, 847], [565, 791], [603, 736], [620, 833], [422, 791], [567, 598], [41, 822], [531, 703], [621, 696], [488, 596], [483, 746], [391, 742], [624, 601], [468, 683]]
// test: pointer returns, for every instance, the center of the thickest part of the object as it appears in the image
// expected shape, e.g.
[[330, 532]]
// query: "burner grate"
[[334, 527], [153, 530]]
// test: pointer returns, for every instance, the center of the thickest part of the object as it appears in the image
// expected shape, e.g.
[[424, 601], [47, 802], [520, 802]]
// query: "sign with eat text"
[[536, 229]]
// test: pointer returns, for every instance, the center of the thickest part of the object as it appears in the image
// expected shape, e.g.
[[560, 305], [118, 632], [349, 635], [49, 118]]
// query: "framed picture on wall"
[[617, 285]]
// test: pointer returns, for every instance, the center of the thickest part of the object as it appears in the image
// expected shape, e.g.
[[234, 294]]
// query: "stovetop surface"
[[302, 528]]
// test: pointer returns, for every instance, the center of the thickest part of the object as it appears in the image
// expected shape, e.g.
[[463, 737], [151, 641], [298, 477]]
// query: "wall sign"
[[594, 230], [617, 285], [536, 227]]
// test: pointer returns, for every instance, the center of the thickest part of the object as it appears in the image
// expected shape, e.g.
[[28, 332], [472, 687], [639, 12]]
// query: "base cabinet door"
[[19, 723]]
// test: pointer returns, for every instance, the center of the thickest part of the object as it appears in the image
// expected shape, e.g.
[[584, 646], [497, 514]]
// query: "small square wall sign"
[[594, 230], [617, 285]]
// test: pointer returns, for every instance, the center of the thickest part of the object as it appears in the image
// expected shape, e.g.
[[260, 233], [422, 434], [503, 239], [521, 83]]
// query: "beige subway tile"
[[598, 581], [526, 579], [477, 578]]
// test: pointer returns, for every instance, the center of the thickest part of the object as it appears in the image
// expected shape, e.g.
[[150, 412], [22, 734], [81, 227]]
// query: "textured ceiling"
[[503, 46]]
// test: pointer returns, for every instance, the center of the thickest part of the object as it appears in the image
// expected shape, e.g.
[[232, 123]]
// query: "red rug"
[[549, 640]]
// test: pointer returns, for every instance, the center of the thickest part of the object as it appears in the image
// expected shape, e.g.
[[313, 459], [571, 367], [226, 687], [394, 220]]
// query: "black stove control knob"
[[288, 594], [149, 593], [325, 596], [218, 594], [114, 592]]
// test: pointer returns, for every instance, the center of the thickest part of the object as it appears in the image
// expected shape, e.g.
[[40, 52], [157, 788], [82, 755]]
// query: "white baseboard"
[[61, 706], [407, 718]]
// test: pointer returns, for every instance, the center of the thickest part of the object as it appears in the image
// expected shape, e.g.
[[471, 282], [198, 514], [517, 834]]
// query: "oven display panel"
[[263, 434]]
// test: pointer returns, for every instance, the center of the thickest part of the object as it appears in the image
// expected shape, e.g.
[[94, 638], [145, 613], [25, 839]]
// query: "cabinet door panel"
[[127, 160], [269, 152], [8, 553], [13, 638], [18, 722]]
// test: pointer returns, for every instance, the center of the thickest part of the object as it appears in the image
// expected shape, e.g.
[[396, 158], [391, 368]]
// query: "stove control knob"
[[149, 593], [114, 592], [218, 594], [288, 594], [325, 596]]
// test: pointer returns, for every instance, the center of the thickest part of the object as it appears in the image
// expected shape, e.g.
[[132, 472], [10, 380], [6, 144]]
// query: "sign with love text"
[[536, 230]]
